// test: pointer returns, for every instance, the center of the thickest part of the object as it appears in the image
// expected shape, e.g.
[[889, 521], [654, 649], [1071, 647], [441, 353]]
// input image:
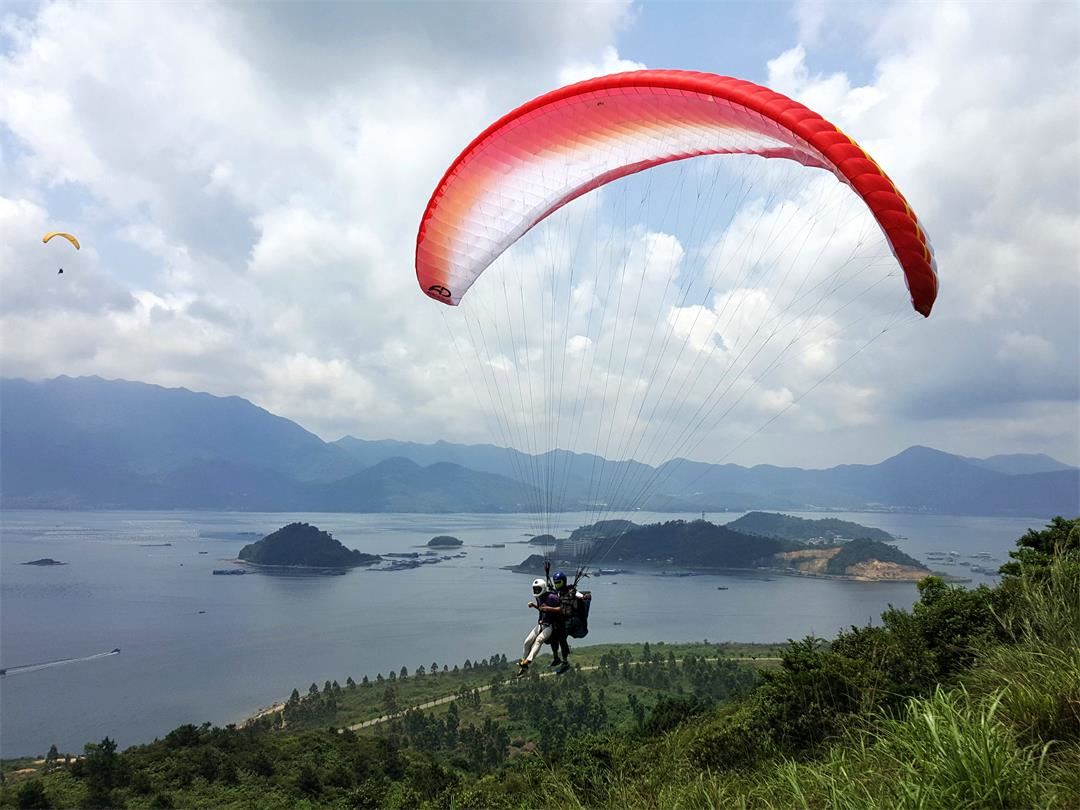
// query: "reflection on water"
[[202, 648]]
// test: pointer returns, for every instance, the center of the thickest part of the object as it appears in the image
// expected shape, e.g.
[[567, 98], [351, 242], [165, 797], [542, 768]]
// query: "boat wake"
[[57, 663]]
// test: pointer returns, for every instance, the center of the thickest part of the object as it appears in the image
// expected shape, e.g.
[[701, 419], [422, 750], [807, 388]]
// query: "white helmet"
[[539, 586]]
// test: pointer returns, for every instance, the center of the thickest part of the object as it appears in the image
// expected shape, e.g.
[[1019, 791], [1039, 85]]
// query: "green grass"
[[951, 750], [947, 751], [1037, 677]]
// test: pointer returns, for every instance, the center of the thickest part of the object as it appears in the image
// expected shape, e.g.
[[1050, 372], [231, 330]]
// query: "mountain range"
[[93, 443]]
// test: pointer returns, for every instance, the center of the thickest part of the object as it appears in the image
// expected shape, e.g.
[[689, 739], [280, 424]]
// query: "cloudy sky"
[[247, 181]]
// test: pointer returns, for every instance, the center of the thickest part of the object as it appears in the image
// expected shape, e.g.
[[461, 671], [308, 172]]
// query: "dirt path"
[[487, 688], [273, 708]]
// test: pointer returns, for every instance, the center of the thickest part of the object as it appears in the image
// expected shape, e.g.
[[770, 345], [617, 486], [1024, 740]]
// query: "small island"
[[444, 541], [301, 545], [45, 561], [543, 540], [534, 563]]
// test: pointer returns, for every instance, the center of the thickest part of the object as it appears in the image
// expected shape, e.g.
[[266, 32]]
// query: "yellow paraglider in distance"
[[67, 236]]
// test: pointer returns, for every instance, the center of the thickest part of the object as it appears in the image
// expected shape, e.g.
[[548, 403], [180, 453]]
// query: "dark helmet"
[[559, 579]]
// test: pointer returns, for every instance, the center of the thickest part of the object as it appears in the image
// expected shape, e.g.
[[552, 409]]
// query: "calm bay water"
[[261, 636]]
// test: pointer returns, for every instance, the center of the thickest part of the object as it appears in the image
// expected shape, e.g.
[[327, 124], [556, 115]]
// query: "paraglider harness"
[[575, 604]]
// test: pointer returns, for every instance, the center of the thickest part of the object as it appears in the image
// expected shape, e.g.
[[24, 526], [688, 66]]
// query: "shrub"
[[32, 794]]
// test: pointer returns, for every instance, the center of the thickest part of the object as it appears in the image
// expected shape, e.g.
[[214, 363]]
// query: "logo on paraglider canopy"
[[438, 291]]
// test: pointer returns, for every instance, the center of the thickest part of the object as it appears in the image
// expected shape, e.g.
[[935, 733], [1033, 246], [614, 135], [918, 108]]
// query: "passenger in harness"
[[547, 606], [567, 596]]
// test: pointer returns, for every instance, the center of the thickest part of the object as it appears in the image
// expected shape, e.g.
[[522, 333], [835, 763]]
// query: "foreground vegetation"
[[360, 703], [969, 700]]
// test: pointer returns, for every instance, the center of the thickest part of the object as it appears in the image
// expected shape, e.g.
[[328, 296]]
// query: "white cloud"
[[1026, 348], [255, 183], [248, 182], [980, 133], [810, 15], [609, 62], [578, 345]]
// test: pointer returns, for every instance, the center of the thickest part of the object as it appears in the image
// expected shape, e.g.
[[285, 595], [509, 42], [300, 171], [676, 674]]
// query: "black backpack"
[[577, 625]]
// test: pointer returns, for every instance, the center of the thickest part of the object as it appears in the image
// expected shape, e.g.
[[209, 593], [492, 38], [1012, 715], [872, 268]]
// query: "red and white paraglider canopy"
[[565, 143]]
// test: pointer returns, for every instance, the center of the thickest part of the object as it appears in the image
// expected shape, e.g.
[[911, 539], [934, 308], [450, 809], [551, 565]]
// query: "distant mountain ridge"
[[1020, 463], [151, 431], [93, 443]]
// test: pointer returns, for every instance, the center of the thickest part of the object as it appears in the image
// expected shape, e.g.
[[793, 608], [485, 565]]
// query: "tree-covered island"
[[444, 541], [821, 531], [301, 545], [791, 546]]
